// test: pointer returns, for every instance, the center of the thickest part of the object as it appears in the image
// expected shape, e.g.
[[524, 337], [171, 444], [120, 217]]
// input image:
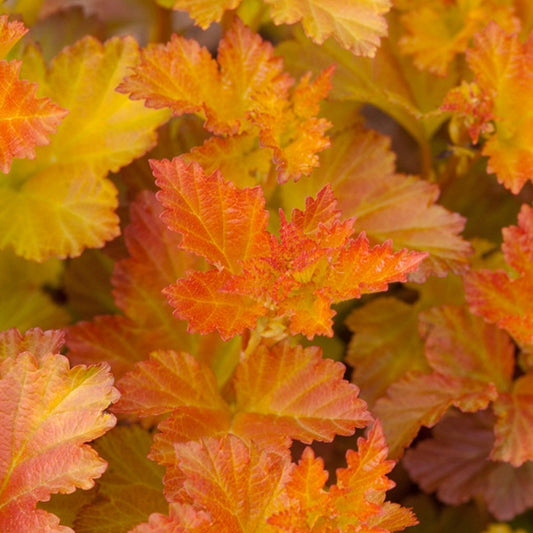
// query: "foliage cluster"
[[202, 205]]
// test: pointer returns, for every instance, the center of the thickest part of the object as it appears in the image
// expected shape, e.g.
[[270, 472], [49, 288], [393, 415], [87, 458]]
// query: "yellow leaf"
[[60, 203]]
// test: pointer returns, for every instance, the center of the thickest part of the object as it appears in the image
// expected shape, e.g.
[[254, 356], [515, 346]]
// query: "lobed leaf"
[[49, 412]]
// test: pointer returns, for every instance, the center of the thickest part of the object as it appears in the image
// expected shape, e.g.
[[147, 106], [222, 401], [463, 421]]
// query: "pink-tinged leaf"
[[237, 484], [47, 414], [201, 299], [286, 392], [166, 381], [35, 340], [25, 120], [419, 399], [456, 464], [224, 224], [464, 345], [514, 425]]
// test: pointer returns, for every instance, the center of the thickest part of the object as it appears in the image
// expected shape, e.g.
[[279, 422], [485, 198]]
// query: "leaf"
[[61, 202], [472, 363], [268, 408], [287, 393], [502, 299], [513, 425], [355, 503], [241, 497], [115, 339], [154, 261], [47, 451], [131, 488], [224, 224], [238, 158], [389, 82], [288, 126], [298, 276], [221, 91], [357, 26], [456, 464], [25, 120], [494, 104]]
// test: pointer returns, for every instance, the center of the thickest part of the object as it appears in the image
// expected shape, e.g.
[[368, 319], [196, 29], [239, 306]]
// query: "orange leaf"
[[298, 277], [499, 298], [360, 168], [288, 126], [292, 393], [185, 77], [45, 450], [25, 120], [498, 104]]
